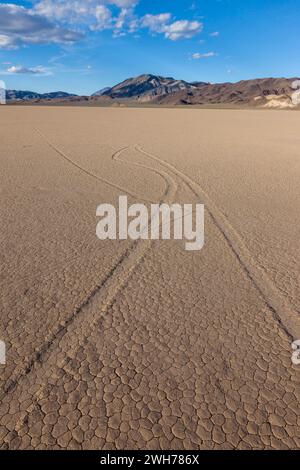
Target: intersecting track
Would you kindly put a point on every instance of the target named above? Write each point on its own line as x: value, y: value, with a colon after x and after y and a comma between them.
x: 283, y: 313
x: 106, y: 291
x: 56, y: 353
x: 94, y: 175
x: 103, y: 294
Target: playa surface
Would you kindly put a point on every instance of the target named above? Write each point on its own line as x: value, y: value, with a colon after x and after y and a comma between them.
x: 123, y: 345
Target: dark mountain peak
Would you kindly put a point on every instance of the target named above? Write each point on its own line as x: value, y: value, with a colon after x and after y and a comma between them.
x: 147, y: 86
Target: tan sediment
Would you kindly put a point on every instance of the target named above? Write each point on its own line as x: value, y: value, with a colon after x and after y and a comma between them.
x: 142, y: 345
x: 103, y: 294
x: 283, y: 312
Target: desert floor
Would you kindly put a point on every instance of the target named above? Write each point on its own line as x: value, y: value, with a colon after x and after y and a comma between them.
x: 123, y: 345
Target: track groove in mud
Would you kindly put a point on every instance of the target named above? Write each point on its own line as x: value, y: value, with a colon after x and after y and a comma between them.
x: 282, y: 312
x: 119, y: 274
x: 104, y: 293
x: 58, y: 334
x: 88, y: 172
x: 176, y: 350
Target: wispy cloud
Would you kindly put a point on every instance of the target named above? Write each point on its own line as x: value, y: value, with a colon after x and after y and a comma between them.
x: 215, y: 34
x: 20, y: 69
x: 206, y: 55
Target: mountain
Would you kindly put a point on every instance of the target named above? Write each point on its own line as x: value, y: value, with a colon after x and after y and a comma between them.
x: 101, y: 92
x: 15, y: 95
x: 281, y: 93
x: 147, y: 87
x: 151, y: 89
x: 268, y: 93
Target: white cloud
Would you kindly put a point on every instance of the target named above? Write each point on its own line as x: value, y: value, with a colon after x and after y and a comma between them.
x: 215, y: 34
x: 70, y: 11
x: 133, y: 25
x: 92, y: 14
x: 86, y: 12
x: 125, y: 16
x: 7, y: 42
x: 20, y: 69
x: 176, y: 30
x: 183, y: 29
x: 198, y: 55
x: 20, y: 25
x: 124, y: 3
x: 53, y: 21
x: 156, y: 23
x: 58, y: 10
x: 103, y: 16
x: 96, y: 15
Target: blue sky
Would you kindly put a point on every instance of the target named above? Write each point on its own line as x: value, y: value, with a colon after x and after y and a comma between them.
x: 82, y: 46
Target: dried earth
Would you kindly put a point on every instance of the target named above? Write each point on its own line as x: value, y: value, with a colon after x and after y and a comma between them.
x: 143, y: 345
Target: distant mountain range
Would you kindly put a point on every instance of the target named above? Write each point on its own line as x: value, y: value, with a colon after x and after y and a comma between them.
x: 150, y: 89
x: 15, y: 95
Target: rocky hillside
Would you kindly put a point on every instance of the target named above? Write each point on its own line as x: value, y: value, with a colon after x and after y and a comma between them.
x: 281, y: 93
x: 148, y: 87
x: 269, y: 92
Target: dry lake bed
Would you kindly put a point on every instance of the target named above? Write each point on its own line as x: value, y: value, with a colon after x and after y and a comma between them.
x: 116, y: 344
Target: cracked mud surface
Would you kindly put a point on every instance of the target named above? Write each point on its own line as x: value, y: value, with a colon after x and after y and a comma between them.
x: 142, y: 345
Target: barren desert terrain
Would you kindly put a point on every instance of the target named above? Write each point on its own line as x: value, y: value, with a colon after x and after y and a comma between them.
x: 143, y: 345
